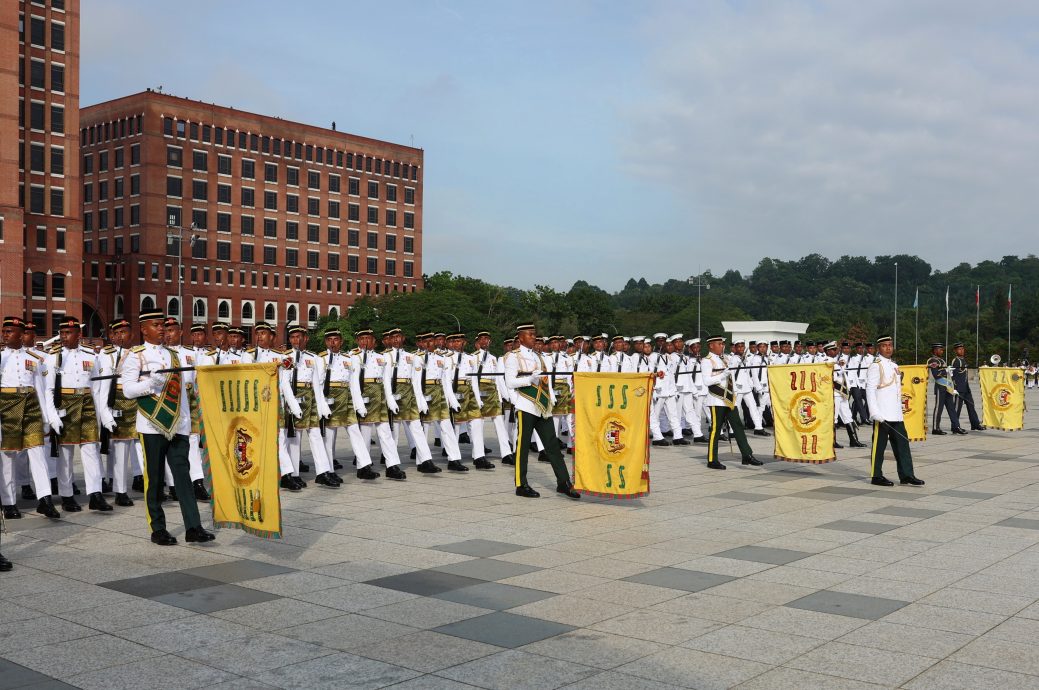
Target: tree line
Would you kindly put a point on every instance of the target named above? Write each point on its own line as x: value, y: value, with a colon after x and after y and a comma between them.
x: 851, y: 298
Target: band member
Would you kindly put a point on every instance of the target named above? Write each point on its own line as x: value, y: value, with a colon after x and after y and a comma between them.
x: 884, y: 398
x: 125, y: 455
x: 942, y: 394
x: 405, y: 383
x: 150, y: 374
x: 189, y: 357
x: 745, y: 385
x: 841, y: 394
x: 721, y: 401
x: 534, y: 399
x: 964, y: 396
x: 467, y: 390
x: 305, y: 400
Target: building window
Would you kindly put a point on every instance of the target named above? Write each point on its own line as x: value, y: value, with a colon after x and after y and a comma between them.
x: 198, y: 309
x: 270, y: 201
x: 102, y: 190
x: 247, y: 253
x: 248, y: 224
x: 333, y: 236
x: 120, y: 157
x: 223, y: 222
x: 409, y: 220
x: 313, y: 259
x: 353, y: 238
x: 135, y: 185
x: 223, y: 309
x: 135, y: 243
x: 292, y: 257
x: 373, y: 215
x: 391, y: 267
x: 354, y: 186
x: 102, y: 219
x: 373, y: 240
x: 248, y: 169
x: 119, y: 217
x: 391, y: 218
x: 37, y: 111
x: 353, y: 212
x: 313, y: 232
x: 135, y: 154
x: 391, y: 243
x: 333, y: 262
x: 223, y: 193
x: 199, y: 190
x: 373, y: 189
x: 37, y: 154
x: 313, y: 179
x: 174, y: 156
x: 270, y: 227
x: 39, y: 284
x: 57, y: 161
x: 269, y: 312
x: 223, y: 251
x: 223, y: 164
x: 270, y: 172
x: 292, y: 230
x: 37, y: 72
x: 334, y: 183
x: 57, y: 201
x: 333, y: 209
x: 409, y: 269
x: 248, y: 197
x: 292, y: 177
x: 352, y: 263
x: 41, y: 238
x: 372, y: 265
x: 313, y: 206
x: 88, y: 164
x: 409, y: 195
x: 391, y: 192
x: 199, y: 161
x: 174, y: 187
x: 199, y: 248
x: 292, y: 203
x: 270, y: 256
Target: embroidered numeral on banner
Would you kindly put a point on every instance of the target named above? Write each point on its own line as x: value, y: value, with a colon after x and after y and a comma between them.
x: 612, y: 402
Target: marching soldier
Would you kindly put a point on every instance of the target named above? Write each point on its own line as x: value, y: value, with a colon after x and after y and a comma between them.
x: 763, y: 399
x: 745, y: 385
x: 236, y: 347
x: 534, y: 400
x: 305, y: 401
x: 964, y: 396
x: 693, y: 400
x: 884, y: 399
x: 467, y: 389
x: 439, y: 401
x: 721, y: 400
x: 266, y: 352
x: 22, y: 409
x: 406, y: 388
x: 562, y: 411
x: 125, y: 455
x: 71, y: 395
x: 493, y: 393
x: 342, y: 390
x: 189, y: 357
x: 841, y: 394
x: 597, y: 360
x: 868, y: 357
x: 164, y: 425
x: 942, y: 393
x: 665, y: 393
x: 373, y: 376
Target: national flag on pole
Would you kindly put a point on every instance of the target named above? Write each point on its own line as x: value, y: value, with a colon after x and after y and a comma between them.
x: 916, y: 299
x: 946, y: 298
x: 977, y: 296
x: 1009, y: 290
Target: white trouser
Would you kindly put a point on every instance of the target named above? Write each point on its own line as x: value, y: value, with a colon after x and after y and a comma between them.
x: 502, y: 432
x: 194, y: 459
x: 357, y: 443
x: 475, y: 436
x: 665, y: 405
x: 755, y: 413
x: 841, y: 409
x: 766, y: 400
x: 692, y: 412
x: 285, y: 465
x: 387, y: 444
x: 448, y: 440
x: 417, y: 440
x: 22, y: 475
x: 90, y: 457
x: 561, y: 422
x: 295, y: 444
x: 37, y: 466
x: 120, y: 463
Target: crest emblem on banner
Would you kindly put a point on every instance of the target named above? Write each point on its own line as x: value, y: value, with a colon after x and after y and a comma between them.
x: 1002, y: 397
x: 907, y: 403
x: 804, y: 413
x: 612, y: 436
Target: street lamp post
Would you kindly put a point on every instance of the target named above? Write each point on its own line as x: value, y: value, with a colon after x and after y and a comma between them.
x: 698, y: 283
x: 176, y: 231
x: 894, y: 335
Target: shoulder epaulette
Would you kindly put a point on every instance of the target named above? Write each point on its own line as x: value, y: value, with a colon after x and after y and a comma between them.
x: 108, y: 349
x: 88, y: 349
x: 355, y: 351
x: 137, y: 348
x: 211, y: 351
x: 322, y: 353
x: 54, y: 349
x: 307, y: 352
x: 35, y: 354
x: 251, y: 350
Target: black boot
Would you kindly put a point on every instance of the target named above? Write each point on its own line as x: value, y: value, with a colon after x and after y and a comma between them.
x: 509, y: 459
x: 12, y: 513
x: 367, y: 472
x: 288, y: 484
x: 199, y: 487
x: 46, y: 508
x: 28, y: 493
x: 413, y: 453
x: 427, y: 467
x: 69, y: 505
x: 853, y: 437
x: 138, y: 483
x: 336, y: 465
x: 395, y: 472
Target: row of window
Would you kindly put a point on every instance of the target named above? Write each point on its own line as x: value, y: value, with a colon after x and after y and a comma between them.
x: 38, y: 197
x: 38, y: 33
x: 38, y: 159
x: 38, y: 75
x: 42, y: 237
x: 103, y: 131
x: 119, y: 154
x: 39, y: 285
x: 118, y: 189
x: 38, y: 117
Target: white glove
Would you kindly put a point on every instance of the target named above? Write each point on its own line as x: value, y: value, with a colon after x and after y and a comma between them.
x: 157, y: 381
x: 324, y: 410
x: 455, y: 406
x: 534, y: 376
x: 392, y: 404
x: 423, y: 408
x: 294, y: 408
x: 56, y: 424
x: 107, y: 420
x: 362, y: 411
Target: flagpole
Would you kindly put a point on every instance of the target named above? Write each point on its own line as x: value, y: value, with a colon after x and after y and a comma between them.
x: 977, y: 327
x: 1010, y: 309
x: 916, y: 327
x: 946, y: 316
x: 894, y: 335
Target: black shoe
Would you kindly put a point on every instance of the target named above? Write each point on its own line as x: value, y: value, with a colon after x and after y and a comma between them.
x: 12, y: 513
x: 198, y: 534
x: 464, y: 438
x: 699, y: 439
x: 761, y: 432
x: 483, y: 464
x: 288, y: 484
x: 662, y: 442
x: 688, y: 433
x: 106, y: 486
x: 414, y: 453
x: 28, y: 493
x: 69, y: 505
x: 457, y: 466
x: 173, y: 493
x: 396, y: 473
x: 54, y: 487
x: 436, y: 442
x: 304, y: 467
x: 138, y: 484
x: 723, y: 436
x: 123, y: 500
x: 486, y: 450
x: 5, y: 565
x: 751, y: 460
x: 978, y: 428
x: 527, y: 492
x: 163, y: 538
x: 443, y: 453
x: 382, y: 460
x: 716, y: 465
x: 680, y: 442
x: 568, y: 491
x: 367, y: 472
x: 667, y: 434
x: 857, y: 444
x: 75, y: 490
x: 937, y: 432
x: 836, y: 445
x: 427, y: 467
x: 881, y: 481
x: 543, y: 457
x: 325, y: 479
x: 199, y: 487
x: 336, y: 465
x: 98, y: 502
x: 299, y: 481
x: 912, y: 481
x: 960, y: 431
x: 509, y: 459
x: 46, y: 508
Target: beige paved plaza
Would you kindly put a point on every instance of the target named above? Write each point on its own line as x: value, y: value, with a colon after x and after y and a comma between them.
x: 788, y: 576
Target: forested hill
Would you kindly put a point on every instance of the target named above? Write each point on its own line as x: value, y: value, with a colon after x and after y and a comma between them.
x: 851, y: 297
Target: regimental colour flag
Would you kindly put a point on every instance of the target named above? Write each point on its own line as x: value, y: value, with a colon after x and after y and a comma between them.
x: 914, y: 400
x: 1003, y: 397
x: 239, y: 437
x: 611, y: 438
x: 802, y: 411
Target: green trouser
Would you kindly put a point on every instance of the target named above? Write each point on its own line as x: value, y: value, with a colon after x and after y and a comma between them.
x: 720, y: 414
x: 527, y: 423
x: 158, y: 450
x: 895, y: 433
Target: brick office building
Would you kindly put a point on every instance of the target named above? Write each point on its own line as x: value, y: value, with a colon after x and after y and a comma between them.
x: 41, y: 245
x: 278, y: 221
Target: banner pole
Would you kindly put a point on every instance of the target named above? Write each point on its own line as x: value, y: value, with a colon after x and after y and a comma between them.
x: 1010, y: 309
x: 977, y: 327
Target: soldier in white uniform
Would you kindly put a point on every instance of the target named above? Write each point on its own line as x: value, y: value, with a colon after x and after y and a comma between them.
x: 596, y: 360
x: 665, y: 394
x: 841, y: 395
x: 266, y: 352
x: 722, y: 402
x: 563, y: 410
x: 745, y: 385
x: 305, y: 401
x: 374, y: 371
x: 22, y: 414
x: 434, y: 372
x: 70, y: 370
x: 342, y: 391
x: 189, y: 357
x: 467, y: 390
x: 125, y: 455
x: 695, y: 403
x: 884, y: 398
x: 406, y: 389
x: 762, y: 361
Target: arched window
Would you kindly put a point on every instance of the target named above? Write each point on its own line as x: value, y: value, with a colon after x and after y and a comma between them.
x: 223, y: 309
x: 39, y: 284
x: 247, y: 311
x: 268, y: 313
x: 333, y: 313
x: 58, y: 285
x: 147, y: 303
x: 173, y: 307
x: 291, y: 315
x: 199, y: 309
x: 118, y: 311
x: 312, y: 315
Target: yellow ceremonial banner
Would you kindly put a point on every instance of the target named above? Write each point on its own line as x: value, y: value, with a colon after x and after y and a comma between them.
x: 1003, y: 395
x: 914, y: 400
x: 611, y: 441
x: 802, y: 411
x: 239, y: 433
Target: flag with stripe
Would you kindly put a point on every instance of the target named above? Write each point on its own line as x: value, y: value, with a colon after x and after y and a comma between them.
x: 1003, y: 397
x: 802, y: 411
x: 914, y: 400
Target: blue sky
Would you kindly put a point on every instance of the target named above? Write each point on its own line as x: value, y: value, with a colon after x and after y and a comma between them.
x: 602, y: 140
